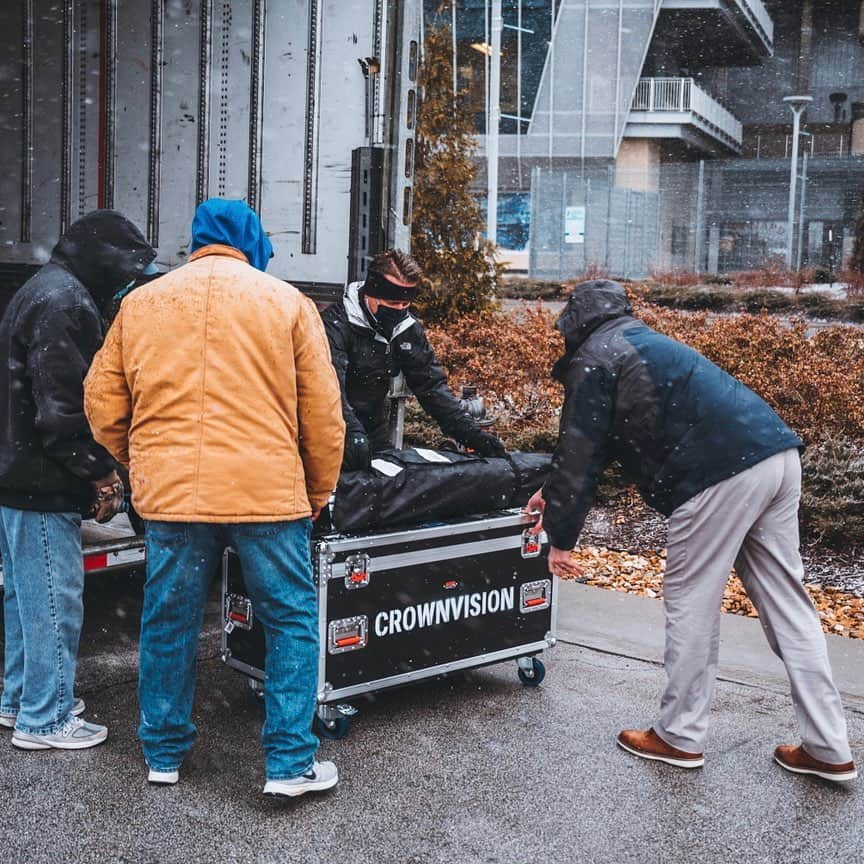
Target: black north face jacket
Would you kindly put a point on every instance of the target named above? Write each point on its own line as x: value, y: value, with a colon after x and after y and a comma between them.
x: 48, y: 335
x: 365, y: 362
x: 676, y: 422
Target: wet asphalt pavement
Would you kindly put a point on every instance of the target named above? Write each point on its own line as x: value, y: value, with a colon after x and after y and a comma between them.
x: 475, y: 768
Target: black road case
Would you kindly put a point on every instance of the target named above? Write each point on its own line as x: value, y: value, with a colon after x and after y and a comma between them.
x: 402, y: 606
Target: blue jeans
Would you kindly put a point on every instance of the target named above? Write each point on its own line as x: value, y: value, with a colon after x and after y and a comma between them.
x: 182, y: 559
x: 43, y: 607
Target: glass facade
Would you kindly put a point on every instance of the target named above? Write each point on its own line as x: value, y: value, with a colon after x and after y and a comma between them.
x: 525, y: 40
x: 665, y: 122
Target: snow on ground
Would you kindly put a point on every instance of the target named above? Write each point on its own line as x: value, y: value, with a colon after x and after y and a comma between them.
x: 837, y: 290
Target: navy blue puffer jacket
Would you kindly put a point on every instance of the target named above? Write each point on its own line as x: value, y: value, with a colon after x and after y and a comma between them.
x: 676, y: 422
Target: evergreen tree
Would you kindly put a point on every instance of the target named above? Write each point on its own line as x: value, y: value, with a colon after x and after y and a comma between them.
x: 459, y: 266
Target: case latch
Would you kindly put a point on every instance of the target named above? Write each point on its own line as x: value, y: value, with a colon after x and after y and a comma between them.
x: 530, y: 544
x: 357, y: 571
x: 238, y: 613
x: 534, y: 596
x: 347, y: 634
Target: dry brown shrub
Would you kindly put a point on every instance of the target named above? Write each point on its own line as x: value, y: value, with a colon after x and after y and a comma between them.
x: 773, y: 274
x: 854, y: 282
x: 460, y: 272
x: 508, y: 355
x: 676, y: 278
x: 845, y: 345
x: 815, y: 384
x: 591, y: 272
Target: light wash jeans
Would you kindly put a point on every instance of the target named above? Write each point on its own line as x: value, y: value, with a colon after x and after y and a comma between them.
x: 43, y: 607
x: 182, y: 559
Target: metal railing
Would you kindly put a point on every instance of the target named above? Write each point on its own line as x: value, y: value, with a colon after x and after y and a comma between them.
x: 753, y: 10
x: 777, y: 145
x: 828, y: 144
x: 684, y: 96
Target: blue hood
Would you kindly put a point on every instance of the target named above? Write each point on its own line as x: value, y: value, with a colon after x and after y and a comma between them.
x: 231, y: 223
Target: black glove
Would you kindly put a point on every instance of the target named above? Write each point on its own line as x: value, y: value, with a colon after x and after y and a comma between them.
x: 485, y: 444
x: 358, y: 456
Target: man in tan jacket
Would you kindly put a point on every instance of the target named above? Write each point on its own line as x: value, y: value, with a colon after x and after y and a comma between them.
x: 215, y: 387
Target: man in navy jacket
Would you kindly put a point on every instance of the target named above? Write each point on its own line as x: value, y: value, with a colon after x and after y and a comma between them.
x: 711, y: 455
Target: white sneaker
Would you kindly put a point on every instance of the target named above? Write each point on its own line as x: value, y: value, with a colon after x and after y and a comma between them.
x: 8, y: 720
x: 76, y: 734
x: 163, y: 778
x: 321, y: 776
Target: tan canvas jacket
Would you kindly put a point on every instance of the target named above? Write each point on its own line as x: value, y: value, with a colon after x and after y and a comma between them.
x: 215, y: 386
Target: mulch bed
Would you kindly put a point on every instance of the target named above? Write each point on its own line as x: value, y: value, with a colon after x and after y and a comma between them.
x: 835, y: 579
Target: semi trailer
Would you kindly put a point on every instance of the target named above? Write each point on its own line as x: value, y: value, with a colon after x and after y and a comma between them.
x: 306, y: 109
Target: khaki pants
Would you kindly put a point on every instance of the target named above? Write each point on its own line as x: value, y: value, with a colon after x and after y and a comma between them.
x: 749, y: 521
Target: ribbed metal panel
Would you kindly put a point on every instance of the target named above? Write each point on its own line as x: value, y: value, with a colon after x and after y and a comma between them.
x: 66, y: 94
x: 27, y: 125
x: 108, y: 142
x: 256, y: 104
x: 157, y: 35
x: 309, y: 241
x: 205, y: 57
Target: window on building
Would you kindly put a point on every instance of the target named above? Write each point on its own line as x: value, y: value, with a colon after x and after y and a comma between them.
x: 524, y: 46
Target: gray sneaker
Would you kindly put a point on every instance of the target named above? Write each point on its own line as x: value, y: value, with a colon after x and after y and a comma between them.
x: 322, y: 775
x: 76, y: 734
x: 7, y: 721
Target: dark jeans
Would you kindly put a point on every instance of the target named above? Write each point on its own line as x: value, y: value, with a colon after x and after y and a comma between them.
x: 182, y: 559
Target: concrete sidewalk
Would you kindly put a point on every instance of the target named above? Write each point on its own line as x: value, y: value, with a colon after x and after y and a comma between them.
x: 472, y: 769
x: 631, y: 626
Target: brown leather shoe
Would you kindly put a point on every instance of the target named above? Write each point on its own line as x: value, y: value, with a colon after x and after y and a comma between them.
x: 799, y: 761
x: 649, y: 745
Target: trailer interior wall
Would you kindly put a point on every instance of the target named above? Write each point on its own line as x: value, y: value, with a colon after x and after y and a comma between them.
x: 152, y: 106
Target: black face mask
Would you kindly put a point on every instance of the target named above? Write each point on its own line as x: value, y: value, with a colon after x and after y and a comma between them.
x: 389, y: 319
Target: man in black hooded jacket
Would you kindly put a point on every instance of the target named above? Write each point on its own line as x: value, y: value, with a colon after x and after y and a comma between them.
x: 711, y: 455
x: 52, y: 472
x: 373, y: 337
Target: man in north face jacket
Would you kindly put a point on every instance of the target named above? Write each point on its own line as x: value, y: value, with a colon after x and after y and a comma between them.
x: 373, y: 337
x: 711, y: 455
x: 52, y: 472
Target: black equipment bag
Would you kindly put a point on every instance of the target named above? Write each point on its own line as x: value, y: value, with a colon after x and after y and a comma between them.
x: 415, y: 486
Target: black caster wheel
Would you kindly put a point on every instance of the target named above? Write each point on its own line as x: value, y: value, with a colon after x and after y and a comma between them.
x: 535, y: 676
x: 335, y: 730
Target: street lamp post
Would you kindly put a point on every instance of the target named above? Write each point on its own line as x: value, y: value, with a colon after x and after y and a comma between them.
x: 492, y: 129
x: 802, y: 203
x: 798, y: 104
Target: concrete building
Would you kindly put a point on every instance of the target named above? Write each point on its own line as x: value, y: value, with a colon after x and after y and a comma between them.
x: 652, y: 134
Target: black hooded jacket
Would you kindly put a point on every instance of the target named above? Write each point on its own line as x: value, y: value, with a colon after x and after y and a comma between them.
x: 676, y: 422
x: 365, y: 361
x: 48, y: 335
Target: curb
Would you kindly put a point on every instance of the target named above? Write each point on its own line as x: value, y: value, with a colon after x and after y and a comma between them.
x: 633, y: 626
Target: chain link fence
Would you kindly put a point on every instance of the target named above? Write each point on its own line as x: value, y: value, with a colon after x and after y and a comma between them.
x: 710, y: 216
